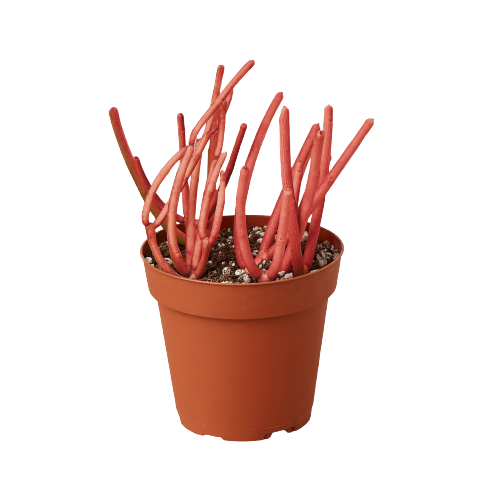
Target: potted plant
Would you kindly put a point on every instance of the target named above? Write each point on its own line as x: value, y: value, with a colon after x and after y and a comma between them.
x: 242, y: 298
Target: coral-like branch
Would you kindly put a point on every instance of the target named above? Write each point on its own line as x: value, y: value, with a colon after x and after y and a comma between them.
x: 175, y: 253
x: 342, y: 162
x: 286, y: 175
x: 241, y: 245
x: 329, y: 181
x: 153, y: 244
x: 191, y: 219
x: 221, y: 198
x: 211, y: 110
x: 207, y: 195
x: 317, y: 215
x: 281, y: 239
x: 181, y: 132
x: 215, y: 118
x: 272, y: 224
x: 137, y: 172
x: 154, y: 188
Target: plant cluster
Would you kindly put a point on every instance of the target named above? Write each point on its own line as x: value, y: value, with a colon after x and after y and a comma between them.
x: 281, y: 243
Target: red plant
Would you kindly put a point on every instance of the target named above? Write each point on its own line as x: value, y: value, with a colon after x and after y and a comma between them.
x: 289, y: 218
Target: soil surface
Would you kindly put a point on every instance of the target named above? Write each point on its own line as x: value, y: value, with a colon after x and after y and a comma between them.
x: 222, y: 266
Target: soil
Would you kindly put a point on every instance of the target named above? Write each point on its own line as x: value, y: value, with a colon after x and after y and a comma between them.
x: 222, y: 266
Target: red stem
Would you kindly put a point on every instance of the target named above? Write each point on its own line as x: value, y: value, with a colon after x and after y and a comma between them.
x: 181, y: 131
x: 313, y: 177
x: 191, y: 219
x: 294, y: 239
x: 175, y: 253
x: 330, y: 179
x: 241, y: 245
x: 272, y: 224
x: 153, y: 244
x: 211, y: 110
x: 317, y: 215
x: 207, y: 195
x: 202, y: 266
x: 235, y: 151
x: 197, y: 253
x: 156, y: 184
x: 341, y: 163
x: 219, y: 210
x: 135, y: 169
x: 285, y: 215
x: 312, y: 238
x: 215, y: 118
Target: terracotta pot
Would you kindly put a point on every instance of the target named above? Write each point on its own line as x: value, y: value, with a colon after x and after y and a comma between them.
x: 244, y: 357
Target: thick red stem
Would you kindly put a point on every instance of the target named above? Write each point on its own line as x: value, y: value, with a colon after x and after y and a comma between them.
x: 153, y: 244
x: 313, y: 177
x: 285, y: 215
x: 175, y: 253
x: 181, y: 131
x: 215, y: 118
x: 315, y: 225
x: 341, y: 163
x: 197, y: 253
x: 191, y: 219
x: 154, y: 187
x: 211, y: 110
x: 312, y: 238
x: 272, y: 224
x: 135, y: 169
x: 202, y: 265
x: 332, y: 176
x: 207, y: 195
x: 235, y: 151
x: 221, y: 197
x: 242, y: 248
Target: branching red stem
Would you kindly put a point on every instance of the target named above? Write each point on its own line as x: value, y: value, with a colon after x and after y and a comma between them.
x: 211, y: 110
x: 272, y: 224
x: 175, y: 253
x: 241, y: 244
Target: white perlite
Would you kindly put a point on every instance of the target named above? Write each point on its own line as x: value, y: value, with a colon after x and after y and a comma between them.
x: 231, y: 264
x: 209, y: 262
x: 304, y: 237
x: 281, y: 274
x: 264, y: 262
x: 288, y: 276
x: 223, y: 263
x: 259, y: 241
x: 246, y: 278
x: 325, y: 255
x: 321, y: 262
x: 169, y: 261
x: 226, y: 270
x: 238, y: 272
x: 149, y: 260
x: 261, y: 233
x: 229, y: 229
x: 229, y: 237
x: 255, y: 253
x: 225, y: 282
x: 256, y: 228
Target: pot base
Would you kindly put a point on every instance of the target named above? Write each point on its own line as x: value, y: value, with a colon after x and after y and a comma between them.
x: 243, y: 435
